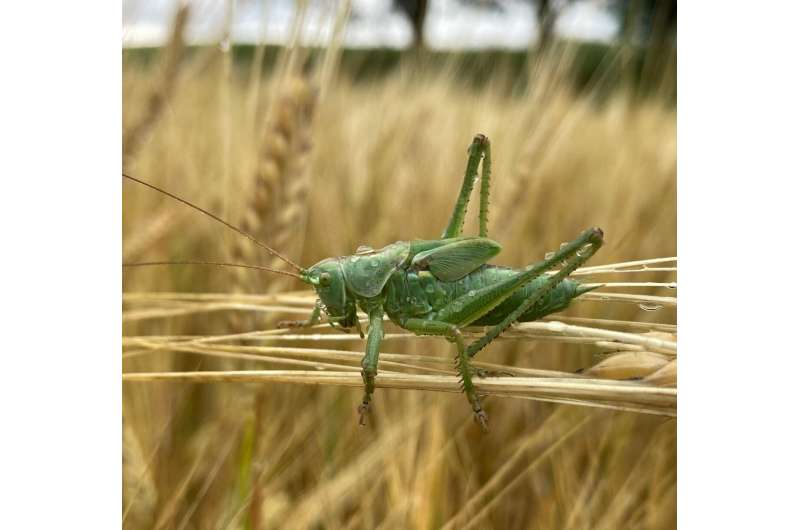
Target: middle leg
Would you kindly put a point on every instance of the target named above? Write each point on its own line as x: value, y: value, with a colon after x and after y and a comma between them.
x: 453, y: 334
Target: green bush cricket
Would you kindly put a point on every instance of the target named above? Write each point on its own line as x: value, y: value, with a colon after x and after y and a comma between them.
x: 435, y: 287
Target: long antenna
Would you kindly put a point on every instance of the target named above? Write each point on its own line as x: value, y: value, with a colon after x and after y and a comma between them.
x: 211, y: 215
x: 213, y: 263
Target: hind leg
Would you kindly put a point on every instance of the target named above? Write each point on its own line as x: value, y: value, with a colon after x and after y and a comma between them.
x: 479, y: 149
x: 477, y: 303
x: 573, y: 255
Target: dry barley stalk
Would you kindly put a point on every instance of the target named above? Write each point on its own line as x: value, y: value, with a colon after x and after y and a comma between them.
x: 167, y: 309
x: 256, y: 71
x: 551, y: 330
x: 333, y: 52
x: 536, y: 447
x: 578, y: 390
x: 625, y: 365
x: 667, y: 375
x: 138, y: 484
x: 133, y: 138
x: 149, y: 236
x: 630, y: 365
x: 225, y: 116
x: 280, y: 183
x: 278, y: 208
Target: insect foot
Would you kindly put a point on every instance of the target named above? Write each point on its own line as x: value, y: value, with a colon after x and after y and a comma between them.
x: 368, y: 375
x: 283, y: 324
x: 481, y: 139
x: 597, y: 235
x: 363, y: 410
x: 483, y: 373
x: 482, y: 419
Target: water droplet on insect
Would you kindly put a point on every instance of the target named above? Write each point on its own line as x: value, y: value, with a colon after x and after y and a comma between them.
x: 650, y: 307
x: 408, y: 298
x: 413, y: 300
x: 549, y: 255
x: 471, y: 293
x: 364, y: 249
x: 374, y: 262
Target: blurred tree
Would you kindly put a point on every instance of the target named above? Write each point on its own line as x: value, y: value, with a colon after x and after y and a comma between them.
x: 661, y: 21
x: 492, y: 5
x: 646, y: 21
x: 652, y: 26
x: 547, y: 12
x: 415, y: 10
x: 547, y: 22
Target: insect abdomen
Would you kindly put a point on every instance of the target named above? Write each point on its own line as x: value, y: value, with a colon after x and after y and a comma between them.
x: 555, y: 300
x: 412, y: 294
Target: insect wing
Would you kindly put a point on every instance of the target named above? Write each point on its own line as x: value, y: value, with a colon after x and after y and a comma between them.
x: 453, y: 261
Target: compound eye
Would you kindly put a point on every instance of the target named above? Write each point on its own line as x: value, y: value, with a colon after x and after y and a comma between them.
x: 324, y: 279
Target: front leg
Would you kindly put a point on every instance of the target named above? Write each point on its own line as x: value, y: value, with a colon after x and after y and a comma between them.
x: 312, y: 320
x: 369, y: 364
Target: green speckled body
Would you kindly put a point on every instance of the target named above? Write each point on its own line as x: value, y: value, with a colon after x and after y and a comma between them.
x: 418, y: 294
x: 396, y: 278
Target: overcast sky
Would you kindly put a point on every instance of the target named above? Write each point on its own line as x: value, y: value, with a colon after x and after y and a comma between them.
x: 373, y: 23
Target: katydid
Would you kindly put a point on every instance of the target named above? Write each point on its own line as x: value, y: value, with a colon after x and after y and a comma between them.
x: 439, y: 286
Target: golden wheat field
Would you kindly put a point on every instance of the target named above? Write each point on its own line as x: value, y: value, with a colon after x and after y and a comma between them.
x: 582, y: 425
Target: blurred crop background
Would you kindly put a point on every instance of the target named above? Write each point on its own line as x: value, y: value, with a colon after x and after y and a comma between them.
x: 322, y: 126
